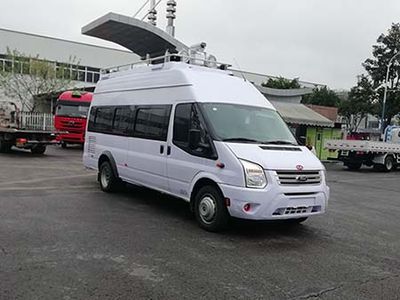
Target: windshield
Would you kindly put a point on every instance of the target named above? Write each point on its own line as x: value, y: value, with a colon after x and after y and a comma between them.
x: 241, y: 123
x: 77, y: 110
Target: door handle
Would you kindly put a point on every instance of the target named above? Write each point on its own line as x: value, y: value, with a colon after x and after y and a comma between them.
x: 161, y: 149
x: 168, y: 150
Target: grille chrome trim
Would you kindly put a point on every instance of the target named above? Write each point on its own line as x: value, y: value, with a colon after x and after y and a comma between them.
x: 299, y: 177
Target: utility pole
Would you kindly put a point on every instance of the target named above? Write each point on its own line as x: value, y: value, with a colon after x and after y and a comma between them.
x: 385, y: 92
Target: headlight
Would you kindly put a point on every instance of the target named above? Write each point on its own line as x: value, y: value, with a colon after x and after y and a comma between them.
x: 254, y: 175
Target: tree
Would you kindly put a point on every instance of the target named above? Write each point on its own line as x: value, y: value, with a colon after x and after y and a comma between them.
x: 387, y: 46
x: 361, y: 102
x: 322, y: 96
x: 282, y: 83
x: 29, y: 78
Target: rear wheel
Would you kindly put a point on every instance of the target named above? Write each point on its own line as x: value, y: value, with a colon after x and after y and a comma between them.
x: 210, y: 210
x: 107, y: 179
x: 5, y: 146
x: 38, y: 149
x: 353, y: 166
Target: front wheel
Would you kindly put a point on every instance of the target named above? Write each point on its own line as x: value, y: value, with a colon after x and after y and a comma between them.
x: 388, y: 164
x: 210, y: 210
x: 38, y: 149
x: 107, y: 179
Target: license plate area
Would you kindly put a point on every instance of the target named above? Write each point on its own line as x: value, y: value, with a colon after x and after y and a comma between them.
x: 345, y: 153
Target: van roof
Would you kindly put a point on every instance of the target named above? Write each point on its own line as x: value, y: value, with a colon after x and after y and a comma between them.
x: 190, y: 82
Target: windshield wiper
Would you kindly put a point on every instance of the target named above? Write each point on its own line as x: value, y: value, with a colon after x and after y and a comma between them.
x: 280, y: 142
x: 240, y: 139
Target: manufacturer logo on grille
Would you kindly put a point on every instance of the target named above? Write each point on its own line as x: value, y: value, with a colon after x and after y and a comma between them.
x: 299, y: 167
x: 71, y: 123
x: 301, y: 178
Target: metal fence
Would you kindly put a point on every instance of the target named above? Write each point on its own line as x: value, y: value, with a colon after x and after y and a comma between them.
x: 36, y: 121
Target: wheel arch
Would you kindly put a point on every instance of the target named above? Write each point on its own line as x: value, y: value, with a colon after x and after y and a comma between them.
x: 107, y: 156
x: 198, y: 183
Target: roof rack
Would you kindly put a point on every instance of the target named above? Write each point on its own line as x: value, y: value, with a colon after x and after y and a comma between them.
x: 194, y: 58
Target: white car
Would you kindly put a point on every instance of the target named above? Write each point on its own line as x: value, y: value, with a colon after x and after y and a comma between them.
x: 205, y: 136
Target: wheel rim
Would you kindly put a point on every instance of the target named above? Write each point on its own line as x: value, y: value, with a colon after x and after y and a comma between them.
x: 207, y: 209
x: 389, y: 164
x: 105, y: 176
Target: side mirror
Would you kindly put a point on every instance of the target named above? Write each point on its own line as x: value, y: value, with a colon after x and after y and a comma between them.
x: 194, y: 138
x: 302, y: 140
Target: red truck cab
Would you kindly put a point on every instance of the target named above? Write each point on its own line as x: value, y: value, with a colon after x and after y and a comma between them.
x: 70, y: 116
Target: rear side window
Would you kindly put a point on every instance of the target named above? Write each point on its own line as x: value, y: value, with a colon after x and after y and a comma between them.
x: 123, y: 120
x: 152, y: 122
x: 104, y: 119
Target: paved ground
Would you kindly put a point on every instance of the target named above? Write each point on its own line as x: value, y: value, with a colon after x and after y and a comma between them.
x: 61, y: 238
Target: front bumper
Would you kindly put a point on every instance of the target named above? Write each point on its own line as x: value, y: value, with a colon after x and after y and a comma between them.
x: 277, y: 202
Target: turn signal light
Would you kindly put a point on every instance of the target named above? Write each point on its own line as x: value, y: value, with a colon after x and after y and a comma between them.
x: 246, y: 207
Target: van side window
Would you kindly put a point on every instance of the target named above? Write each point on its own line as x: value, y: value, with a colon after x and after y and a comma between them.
x: 104, y: 119
x: 123, y: 119
x: 186, y: 118
x: 152, y: 122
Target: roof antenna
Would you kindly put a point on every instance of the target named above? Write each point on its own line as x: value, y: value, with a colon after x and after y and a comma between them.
x: 152, y: 14
x: 240, y: 69
x: 171, y: 10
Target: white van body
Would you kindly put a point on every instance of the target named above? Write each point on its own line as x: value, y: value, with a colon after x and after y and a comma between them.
x: 295, y: 186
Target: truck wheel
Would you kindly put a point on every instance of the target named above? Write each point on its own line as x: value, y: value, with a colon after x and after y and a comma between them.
x: 5, y: 147
x: 38, y: 149
x: 64, y: 145
x: 353, y: 166
x: 107, y: 179
x: 388, y: 165
x: 210, y: 210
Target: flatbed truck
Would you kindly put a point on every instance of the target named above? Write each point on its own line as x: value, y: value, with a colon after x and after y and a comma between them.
x: 383, y: 156
x: 25, y: 130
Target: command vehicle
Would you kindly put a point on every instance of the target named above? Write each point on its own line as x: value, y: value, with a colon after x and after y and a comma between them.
x: 203, y: 135
x: 70, y: 116
x: 25, y: 130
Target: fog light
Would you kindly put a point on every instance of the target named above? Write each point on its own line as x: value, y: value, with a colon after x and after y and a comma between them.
x: 246, y: 207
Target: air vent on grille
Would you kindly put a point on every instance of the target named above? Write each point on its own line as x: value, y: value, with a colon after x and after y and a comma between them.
x: 298, y: 177
x: 280, y: 148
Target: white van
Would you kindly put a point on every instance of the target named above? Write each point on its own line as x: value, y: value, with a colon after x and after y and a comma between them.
x: 205, y: 136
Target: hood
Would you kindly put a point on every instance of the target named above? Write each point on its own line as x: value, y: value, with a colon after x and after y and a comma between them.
x: 277, y: 157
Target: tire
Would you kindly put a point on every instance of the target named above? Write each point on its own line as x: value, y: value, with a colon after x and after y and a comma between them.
x: 353, y: 166
x: 388, y: 164
x: 108, y: 181
x: 296, y: 221
x: 38, y: 149
x: 64, y: 145
x: 210, y: 210
x: 5, y: 147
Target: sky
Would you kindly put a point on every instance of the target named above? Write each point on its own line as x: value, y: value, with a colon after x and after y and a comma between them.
x: 321, y: 41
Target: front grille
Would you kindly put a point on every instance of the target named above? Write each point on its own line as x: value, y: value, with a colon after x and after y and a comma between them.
x: 72, y: 125
x: 298, y: 177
